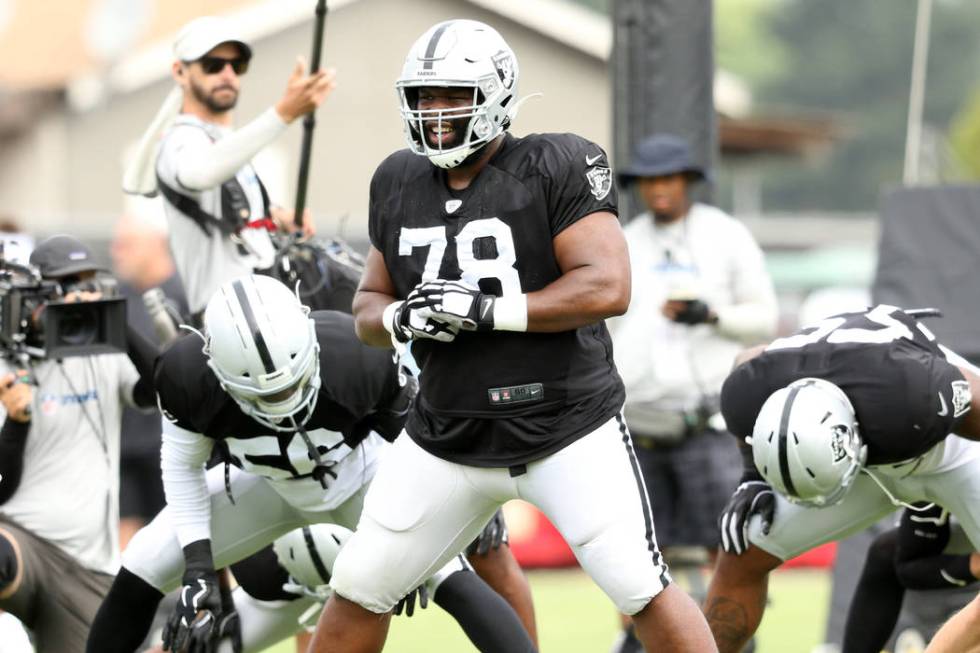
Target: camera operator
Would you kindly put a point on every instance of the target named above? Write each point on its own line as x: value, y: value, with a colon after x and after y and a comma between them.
x: 59, y: 464
x: 218, y: 211
x: 700, y: 294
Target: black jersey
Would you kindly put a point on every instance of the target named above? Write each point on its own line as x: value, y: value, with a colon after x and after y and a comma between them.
x: 359, y: 392
x: 499, y: 398
x: 906, y: 395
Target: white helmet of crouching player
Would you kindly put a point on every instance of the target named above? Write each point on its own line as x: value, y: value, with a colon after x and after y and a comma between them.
x: 261, y: 344
x: 459, y: 54
x: 806, y: 442
x: 307, y: 554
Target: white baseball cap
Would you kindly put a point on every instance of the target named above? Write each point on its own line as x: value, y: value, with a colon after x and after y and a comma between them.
x: 203, y: 34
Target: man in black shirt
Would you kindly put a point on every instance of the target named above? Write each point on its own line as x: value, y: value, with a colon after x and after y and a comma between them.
x: 498, y: 258
x: 847, y: 420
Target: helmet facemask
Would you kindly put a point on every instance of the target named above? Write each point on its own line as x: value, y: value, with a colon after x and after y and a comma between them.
x: 479, y: 127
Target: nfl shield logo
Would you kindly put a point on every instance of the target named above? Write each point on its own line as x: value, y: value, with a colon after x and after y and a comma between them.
x: 505, y: 68
x: 600, y: 181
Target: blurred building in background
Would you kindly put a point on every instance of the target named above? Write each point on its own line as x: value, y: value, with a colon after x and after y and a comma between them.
x: 80, y: 79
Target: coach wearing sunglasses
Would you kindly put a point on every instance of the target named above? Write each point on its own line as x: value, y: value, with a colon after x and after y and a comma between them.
x: 218, y: 211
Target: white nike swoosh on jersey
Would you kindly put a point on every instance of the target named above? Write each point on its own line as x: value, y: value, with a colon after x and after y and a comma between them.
x: 943, y: 409
x: 589, y: 160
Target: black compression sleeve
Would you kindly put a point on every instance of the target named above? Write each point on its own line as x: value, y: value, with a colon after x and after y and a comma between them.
x: 13, y: 439
x: 485, y: 617
x: 125, y: 616
x: 143, y: 353
x: 877, y: 600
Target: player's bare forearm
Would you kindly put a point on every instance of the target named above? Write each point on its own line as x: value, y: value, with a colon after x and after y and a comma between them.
x: 373, y: 295
x: 737, y: 597
x: 368, y: 308
x: 582, y: 296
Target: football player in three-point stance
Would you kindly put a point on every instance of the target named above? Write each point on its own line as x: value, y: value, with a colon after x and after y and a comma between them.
x: 848, y: 419
x: 300, y: 408
x: 498, y: 257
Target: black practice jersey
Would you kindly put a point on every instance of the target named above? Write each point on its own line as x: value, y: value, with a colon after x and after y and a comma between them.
x: 359, y: 392
x: 906, y: 395
x: 499, y: 398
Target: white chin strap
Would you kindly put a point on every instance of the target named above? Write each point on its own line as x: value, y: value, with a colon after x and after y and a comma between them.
x: 895, y: 501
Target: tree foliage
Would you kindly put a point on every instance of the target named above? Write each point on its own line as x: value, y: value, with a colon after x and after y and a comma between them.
x: 853, y: 58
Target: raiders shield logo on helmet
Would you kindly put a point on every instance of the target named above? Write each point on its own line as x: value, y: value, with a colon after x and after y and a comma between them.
x: 504, y: 63
x: 600, y: 181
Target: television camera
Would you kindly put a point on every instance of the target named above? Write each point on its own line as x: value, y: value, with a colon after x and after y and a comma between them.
x: 37, y: 322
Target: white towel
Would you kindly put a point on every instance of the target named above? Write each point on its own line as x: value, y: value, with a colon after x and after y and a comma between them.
x: 140, y: 177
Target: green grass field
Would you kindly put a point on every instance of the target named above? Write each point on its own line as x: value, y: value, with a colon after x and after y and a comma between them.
x: 575, y: 617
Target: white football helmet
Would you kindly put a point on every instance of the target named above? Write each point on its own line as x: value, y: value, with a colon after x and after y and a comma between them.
x: 261, y: 344
x: 308, y: 555
x: 806, y: 443
x: 453, y: 54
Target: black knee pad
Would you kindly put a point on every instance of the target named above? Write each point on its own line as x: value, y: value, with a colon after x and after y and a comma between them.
x: 883, y: 550
x: 8, y: 563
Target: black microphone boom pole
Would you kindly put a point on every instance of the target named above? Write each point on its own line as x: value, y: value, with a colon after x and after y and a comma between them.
x: 309, y: 122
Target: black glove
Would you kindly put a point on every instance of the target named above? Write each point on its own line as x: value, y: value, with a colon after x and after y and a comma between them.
x: 228, y: 625
x: 408, y: 603
x: 750, y: 498
x: 457, y: 302
x: 406, y: 322
x: 491, y: 538
x: 696, y: 312
x: 201, y: 616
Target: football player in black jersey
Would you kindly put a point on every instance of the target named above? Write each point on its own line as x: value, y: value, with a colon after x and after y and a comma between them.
x: 301, y: 409
x: 498, y: 258
x: 847, y: 419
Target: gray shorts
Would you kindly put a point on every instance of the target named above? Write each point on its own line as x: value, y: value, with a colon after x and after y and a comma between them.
x: 53, y: 595
x: 689, y: 484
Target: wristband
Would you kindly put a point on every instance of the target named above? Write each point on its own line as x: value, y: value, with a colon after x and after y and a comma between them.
x: 388, y: 317
x: 197, y: 556
x: 510, y: 313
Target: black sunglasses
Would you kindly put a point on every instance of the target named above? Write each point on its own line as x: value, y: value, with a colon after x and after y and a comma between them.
x: 214, y: 65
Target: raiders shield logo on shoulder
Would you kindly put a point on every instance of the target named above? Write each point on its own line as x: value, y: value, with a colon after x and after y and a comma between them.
x: 962, y: 397
x: 600, y: 181
x: 504, y: 64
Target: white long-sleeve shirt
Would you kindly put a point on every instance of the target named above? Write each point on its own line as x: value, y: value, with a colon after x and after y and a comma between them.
x: 706, y: 255
x: 195, y: 159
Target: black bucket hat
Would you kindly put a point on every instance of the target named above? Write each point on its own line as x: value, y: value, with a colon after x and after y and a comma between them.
x: 61, y: 256
x: 658, y: 155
